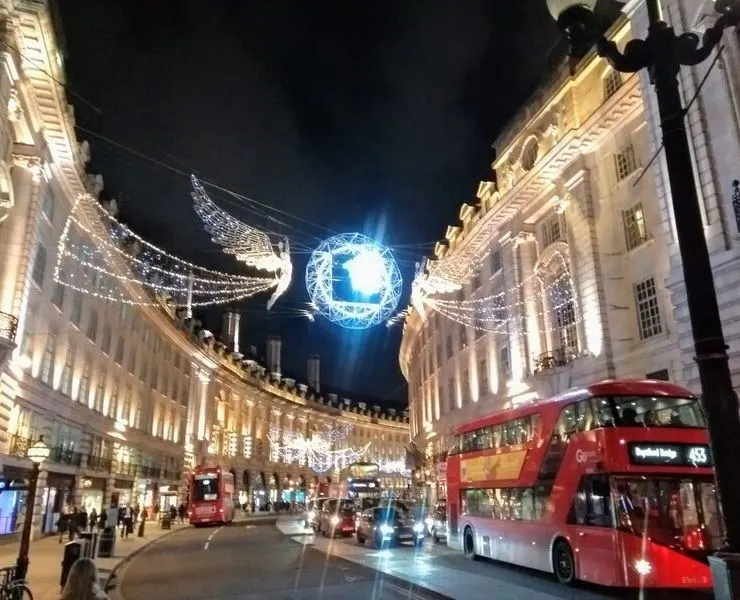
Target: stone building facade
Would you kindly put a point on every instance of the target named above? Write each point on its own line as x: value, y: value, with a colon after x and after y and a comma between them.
x: 127, y: 397
x: 574, y: 190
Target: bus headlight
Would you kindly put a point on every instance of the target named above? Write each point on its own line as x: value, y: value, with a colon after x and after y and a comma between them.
x: 334, y: 520
x: 386, y: 529
x: 643, y: 567
x: 418, y: 527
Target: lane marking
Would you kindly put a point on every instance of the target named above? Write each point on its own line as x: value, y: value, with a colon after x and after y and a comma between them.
x: 249, y: 526
x: 210, y: 537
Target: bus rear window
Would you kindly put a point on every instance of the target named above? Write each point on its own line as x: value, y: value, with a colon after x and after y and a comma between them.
x: 205, y: 490
x: 648, y: 411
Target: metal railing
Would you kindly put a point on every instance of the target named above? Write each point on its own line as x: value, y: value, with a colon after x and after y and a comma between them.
x: 554, y: 359
x: 146, y: 471
x: 126, y: 468
x: 99, y: 463
x: 8, y: 326
x: 65, y: 456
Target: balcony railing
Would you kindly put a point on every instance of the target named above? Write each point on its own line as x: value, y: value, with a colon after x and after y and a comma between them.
x: 126, y: 468
x: 19, y: 445
x: 171, y: 474
x: 65, y: 456
x: 99, y: 463
x: 147, y: 471
x: 8, y: 326
x: 554, y: 359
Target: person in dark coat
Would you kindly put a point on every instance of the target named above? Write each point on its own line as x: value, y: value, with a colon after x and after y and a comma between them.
x: 93, y: 518
x: 102, y: 519
x: 83, y: 519
x: 62, y: 525
x: 73, y: 524
x: 181, y: 512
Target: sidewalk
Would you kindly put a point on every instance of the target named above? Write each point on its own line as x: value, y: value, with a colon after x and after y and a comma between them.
x: 46, y: 559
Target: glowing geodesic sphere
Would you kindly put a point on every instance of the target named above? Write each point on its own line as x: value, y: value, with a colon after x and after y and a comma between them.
x: 353, y: 280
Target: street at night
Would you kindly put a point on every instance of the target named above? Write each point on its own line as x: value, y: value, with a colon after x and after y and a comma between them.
x: 258, y: 561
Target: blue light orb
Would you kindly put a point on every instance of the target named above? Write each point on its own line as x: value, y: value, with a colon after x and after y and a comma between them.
x: 353, y: 281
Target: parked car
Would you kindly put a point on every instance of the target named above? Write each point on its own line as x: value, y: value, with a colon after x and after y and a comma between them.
x: 313, y: 511
x: 438, y: 522
x: 389, y: 525
x: 337, y: 518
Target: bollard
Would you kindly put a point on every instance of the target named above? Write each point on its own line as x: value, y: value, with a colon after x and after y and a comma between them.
x: 141, y: 528
x: 72, y: 551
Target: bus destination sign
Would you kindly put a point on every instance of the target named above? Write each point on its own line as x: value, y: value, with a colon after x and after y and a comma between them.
x: 674, y: 455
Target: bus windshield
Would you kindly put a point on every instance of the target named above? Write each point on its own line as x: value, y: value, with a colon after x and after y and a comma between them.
x: 205, y: 490
x: 677, y: 512
x: 648, y: 411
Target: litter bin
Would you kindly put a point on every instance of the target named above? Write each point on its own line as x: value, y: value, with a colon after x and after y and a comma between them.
x: 107, y: 542
x: 72, y: 551
x: 91, y: 537
x: 166, y: 522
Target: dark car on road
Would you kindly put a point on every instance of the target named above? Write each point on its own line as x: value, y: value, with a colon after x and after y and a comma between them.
x: 337, y: 518
x: 313, y: 512
x: 438, y: 522
x: 389, y: 525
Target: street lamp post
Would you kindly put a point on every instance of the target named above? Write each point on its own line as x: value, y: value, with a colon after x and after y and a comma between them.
x: 37, y: 454
x: 663, y: 53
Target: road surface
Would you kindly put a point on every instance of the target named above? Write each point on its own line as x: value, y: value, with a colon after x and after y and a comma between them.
x: 245, y: 562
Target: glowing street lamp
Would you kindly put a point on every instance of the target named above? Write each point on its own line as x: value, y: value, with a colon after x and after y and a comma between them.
x: 37, y: 454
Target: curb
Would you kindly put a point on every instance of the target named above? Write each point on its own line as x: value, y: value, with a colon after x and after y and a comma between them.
x: 110, y: 587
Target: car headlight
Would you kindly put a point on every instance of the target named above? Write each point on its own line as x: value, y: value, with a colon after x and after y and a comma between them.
x: 311, y: 515
x: 418, y: 527
x: 430, y: 522
x: 386, y: 529
x: 334, y: 520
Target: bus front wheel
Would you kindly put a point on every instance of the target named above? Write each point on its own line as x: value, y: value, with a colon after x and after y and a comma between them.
x: 469, y: 544
x: 564, y: 565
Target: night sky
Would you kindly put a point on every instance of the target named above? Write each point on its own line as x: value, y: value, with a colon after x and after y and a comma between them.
x: 343, y: 116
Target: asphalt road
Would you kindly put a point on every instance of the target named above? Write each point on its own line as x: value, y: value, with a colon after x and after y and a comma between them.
x: 252, y: 561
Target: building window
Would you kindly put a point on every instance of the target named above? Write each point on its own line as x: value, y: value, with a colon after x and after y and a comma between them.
x: 132, y: 362
x: 451, y: 391
x: 39, y: 265
x: 92, y: 325
x: 48, y: 205
x: 143, y: 370
x: 564, y: 318
x: 113, y: 404
x: 648, y: 310
x: 496, y: 264
x: 483, y: 377
x: 463, y: 337
x: 612, y: 82
x: 625, y: 162
x: 466, y: 387
x: 505, y: 362
x: 66, y: 384
x: 137, y: 417
x: 76, y: 315
x: 529, y: 154
x: 85, y: 381
x: 47, y: 362
x: 100, y: 392
x: 57, y: 296
x: 552, y: 230
x: 126, y: 408
x: 105, y: 344
x: 449, y: 346
x: 120, y: 349
x: 635, y: 230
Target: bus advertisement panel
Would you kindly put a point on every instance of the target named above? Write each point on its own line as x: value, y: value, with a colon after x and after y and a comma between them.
x: 211, y: 496
x: 610, y: 484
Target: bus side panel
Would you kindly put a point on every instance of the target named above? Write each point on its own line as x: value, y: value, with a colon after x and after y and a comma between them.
x: 453, y: 501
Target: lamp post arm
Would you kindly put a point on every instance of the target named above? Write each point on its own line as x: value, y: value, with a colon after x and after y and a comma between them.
x: 687, y: 49
x: 636, y: 55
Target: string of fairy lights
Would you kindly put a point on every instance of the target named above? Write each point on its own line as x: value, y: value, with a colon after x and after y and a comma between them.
x: 319, y: 451
x: 119, y: 265
x: 546, y: 297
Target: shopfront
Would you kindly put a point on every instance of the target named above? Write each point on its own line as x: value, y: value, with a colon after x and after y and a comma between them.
x: 145, y: 493
x: 125, y: 491
x: 167, y: 497
x: 92, y: 493
x: 13, y: 491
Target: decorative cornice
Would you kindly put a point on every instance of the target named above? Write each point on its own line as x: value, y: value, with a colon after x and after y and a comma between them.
x: 523, y: 237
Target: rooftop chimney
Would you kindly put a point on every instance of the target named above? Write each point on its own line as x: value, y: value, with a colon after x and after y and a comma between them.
x: 230, y: 330
x: 313, y: 374
x: 274, y: 346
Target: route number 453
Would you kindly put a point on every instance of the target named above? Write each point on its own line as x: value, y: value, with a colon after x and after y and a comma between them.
x: 698, y: 455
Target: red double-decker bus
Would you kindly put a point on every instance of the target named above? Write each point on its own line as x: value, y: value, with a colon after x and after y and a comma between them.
x: 211, y: 497
x: 610, y: 483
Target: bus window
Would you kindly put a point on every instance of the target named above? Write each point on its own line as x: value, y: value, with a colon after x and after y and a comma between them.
x: 567, y: 422
x: 591, y: 504
x: 205, y: 490
x: 602, y: 410
x: 584, y: 416
x: 497, y: 436
x: 648, y: 411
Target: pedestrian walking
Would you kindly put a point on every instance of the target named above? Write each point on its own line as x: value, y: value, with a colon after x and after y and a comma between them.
x: 62, y: 525
x: 181, y: 511
x: 173, y: 513
x: 93, y: 518
x: 128, y: 521
x: 83, y: 582
x: 83, y: 519
x: 73, y: 524
x: 103, y: 519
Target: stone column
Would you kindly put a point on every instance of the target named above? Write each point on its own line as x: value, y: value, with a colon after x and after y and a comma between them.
x: 527, y: 253
x: 516, y: 340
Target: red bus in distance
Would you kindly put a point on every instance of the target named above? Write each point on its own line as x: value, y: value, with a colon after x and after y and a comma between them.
x: 211, y: 498
x: 611, y: 484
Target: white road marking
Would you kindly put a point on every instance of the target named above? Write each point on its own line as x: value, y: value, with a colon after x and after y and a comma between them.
x: 249, y: 526
x: 210, y: 537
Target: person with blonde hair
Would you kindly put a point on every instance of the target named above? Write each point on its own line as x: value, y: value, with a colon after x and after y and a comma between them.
x: 83, y: 582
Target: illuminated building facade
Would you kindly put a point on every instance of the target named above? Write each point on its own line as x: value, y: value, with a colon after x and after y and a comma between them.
x: 127, y: 397
x: 569, y: 183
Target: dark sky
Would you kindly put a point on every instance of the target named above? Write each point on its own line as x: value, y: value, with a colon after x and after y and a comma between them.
x: 354, y: 116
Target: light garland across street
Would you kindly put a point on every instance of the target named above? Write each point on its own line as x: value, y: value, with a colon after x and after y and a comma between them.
x: 119, y: 265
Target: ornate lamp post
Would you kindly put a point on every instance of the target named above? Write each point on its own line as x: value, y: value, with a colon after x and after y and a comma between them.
x: 663, y: 53
x: 37, y: 454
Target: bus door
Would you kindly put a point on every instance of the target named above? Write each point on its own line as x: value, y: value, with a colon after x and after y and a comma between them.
x: 592, y: 524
